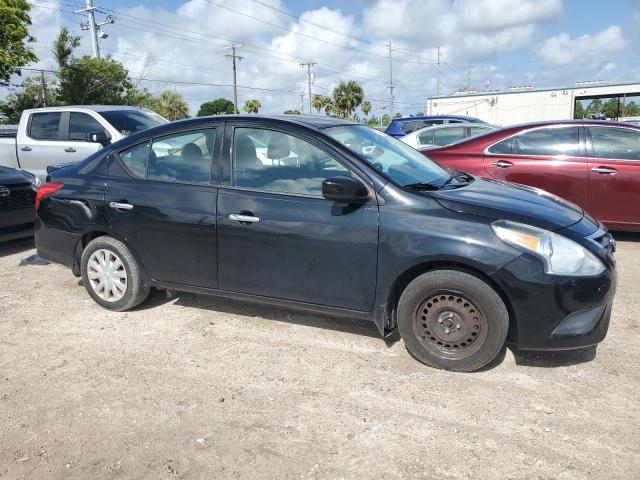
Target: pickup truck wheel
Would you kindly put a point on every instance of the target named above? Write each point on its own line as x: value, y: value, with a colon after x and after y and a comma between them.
x: 112, y: 276
x: 452, y: 320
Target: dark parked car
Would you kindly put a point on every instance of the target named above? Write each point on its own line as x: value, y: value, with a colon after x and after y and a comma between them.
x: 399, y: 127
x: 592, y: 163
x: 17, y: 197
x: 334, y: 217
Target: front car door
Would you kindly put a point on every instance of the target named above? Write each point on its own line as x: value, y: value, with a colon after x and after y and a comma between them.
x: 161, y: 197
x: 614, y: 175
x: 79, y: 124
x: 278, y: 237
x: 550, y: 158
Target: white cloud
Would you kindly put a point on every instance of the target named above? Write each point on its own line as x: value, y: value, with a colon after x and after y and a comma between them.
x: 488, y: 15
x: 584, y: 51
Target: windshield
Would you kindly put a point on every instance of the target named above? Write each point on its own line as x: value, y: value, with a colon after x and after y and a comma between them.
x: 393, y: 158
x: 132, y: 121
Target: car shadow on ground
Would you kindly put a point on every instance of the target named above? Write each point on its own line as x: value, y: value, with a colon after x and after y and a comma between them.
x: 626, y: 236
x: 12, y: 247
x: 554, y: 359
x: 248, y: 309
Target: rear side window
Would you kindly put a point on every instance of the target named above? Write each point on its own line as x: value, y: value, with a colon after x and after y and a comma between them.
x: 183, y: 158
x: 477, y: 130
x: 425, y: 138
x: 45, y: 126
x: 544, y: 141
x: 426, y: 123
x: 445, y: 136
x: 408, y: 127
x: 80, y: 124
x: 620, y: 143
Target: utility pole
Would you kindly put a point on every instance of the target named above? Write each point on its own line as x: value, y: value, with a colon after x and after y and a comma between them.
x: 309, y: 65
x: 438, y: 74
x: 390, y: 83
x: 94, y: 26
x: 233, y: 57
x: 468, y: 79
x: 302, y: 103
x: 44, y: 88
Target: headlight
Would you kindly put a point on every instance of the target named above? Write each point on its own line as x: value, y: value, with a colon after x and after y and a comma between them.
x: 36, y: 182
x: 561, y: 256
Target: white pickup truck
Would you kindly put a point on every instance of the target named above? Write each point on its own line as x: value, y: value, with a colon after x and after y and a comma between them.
x: 50, y: 136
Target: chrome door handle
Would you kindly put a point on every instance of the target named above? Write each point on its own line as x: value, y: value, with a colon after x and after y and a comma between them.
x: 243, y: 218
x: 502, y: 164
x: 25, y: 149
x: 604, y: 170
x: 69, y: 149
x: 120, y: 206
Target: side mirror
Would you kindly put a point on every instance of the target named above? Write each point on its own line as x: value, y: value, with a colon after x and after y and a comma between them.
x: 345, y: 189
x: 98, y: 137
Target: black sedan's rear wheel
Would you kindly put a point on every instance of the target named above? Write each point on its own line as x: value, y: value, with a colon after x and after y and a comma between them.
x: 452, y: 320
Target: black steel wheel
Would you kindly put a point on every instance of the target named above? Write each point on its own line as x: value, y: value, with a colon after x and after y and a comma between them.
x: 452, y: 320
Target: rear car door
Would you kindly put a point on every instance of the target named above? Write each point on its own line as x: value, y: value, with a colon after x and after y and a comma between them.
x: 278, y: 237
x: 161, y: 195
x: 614, y: 175
x: 550, y: 158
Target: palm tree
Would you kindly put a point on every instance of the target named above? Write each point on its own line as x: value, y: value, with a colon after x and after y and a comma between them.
x: 347, y: 97
x: 328, y: 106
x: 171, y: 105
x: 318, y: 102
x: 252, y: 106
x: 366, y: 108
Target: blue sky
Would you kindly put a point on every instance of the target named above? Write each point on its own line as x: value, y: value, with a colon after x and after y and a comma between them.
x: 485, y: 44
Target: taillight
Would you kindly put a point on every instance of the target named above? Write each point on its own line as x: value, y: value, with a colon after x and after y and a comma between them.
x: 46, y: 190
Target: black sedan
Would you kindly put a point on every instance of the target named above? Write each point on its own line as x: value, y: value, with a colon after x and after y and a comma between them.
x: 17, y: 198
x: 331, y: 216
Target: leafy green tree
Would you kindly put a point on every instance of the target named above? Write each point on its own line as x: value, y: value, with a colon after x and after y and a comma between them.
x: 220, y: 106
x: 328, y: 106
x: 252, y: 106
x: 292, y: 112
x: 579, y: 111
x: 171, y: 105
x: 385, y: 119
x: 612, y: 108
x: 398, y: 115
x: 595, y: 107
x: 318, y: 102
x: 347, y: 96
x: 88, y: 80
x: 632, y: 109
x: 32, y: 95
x: 366, y: 108
x: 419, y: 114
x: 14, y: 38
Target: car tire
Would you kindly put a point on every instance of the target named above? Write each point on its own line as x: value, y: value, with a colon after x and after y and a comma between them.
x: 452, y: 320
x: 112, y: 275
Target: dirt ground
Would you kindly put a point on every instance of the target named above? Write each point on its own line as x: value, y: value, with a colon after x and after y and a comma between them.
x: 197, y: 387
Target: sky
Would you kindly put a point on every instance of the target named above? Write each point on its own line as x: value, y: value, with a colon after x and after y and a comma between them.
x: 484, y: 44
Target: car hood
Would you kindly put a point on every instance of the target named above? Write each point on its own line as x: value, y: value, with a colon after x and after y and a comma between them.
x: 510, y: 201
x: 11, y: 176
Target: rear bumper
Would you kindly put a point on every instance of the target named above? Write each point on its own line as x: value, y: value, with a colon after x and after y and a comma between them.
x: 55, y: 245
x: 552, y: 312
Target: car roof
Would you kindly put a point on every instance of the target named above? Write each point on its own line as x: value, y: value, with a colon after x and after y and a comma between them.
x: 551, y: 123
x: 311, y: 121
x: 445, y: 126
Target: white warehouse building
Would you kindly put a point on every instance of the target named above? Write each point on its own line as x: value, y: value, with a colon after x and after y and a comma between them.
x: 527, y: 104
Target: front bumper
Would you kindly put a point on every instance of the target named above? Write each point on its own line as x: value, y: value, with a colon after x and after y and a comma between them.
x: 552, y: 312
x: 16, y: 223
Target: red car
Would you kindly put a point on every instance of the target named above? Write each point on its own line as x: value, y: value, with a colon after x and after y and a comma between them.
x: 595, y: 164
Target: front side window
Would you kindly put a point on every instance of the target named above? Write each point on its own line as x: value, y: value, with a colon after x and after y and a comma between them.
x: 45, y: 126
x: 615, y: 143
x: 390, y: 156
x: 131, y: 121
x: 81, y: 124
x: 184, y: 158
x: 278, y: 162
x: 445, y: 136
x: 543, y: 142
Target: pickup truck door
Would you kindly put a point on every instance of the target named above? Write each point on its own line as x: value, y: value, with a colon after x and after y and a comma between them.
x: 44, y: 139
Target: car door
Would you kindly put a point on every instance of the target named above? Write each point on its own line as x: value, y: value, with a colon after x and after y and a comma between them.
x: 614, y: 175
x: 278, y: 237
x: 161, y: 196
x: 40, y: 142
x: 79, y: 124
x: 550, y: 158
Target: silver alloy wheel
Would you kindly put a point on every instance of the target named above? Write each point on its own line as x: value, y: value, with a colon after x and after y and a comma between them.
x: 107, y: 275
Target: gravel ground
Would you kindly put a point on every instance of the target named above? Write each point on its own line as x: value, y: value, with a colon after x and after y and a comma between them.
x: 197, y: 387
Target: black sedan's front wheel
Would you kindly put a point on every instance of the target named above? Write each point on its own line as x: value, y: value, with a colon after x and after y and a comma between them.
x: 452, y: 320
